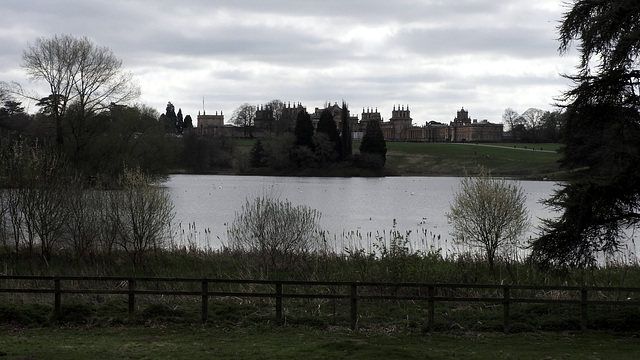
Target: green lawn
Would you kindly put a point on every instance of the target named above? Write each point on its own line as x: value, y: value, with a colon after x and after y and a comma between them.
x: 267, y: 342
x: 536, y: 161
x: 520, y: 160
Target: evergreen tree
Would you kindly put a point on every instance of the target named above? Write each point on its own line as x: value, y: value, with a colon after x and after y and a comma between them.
x: 258, y: 155
x: 373, y: 145
x: 601, y: 198
x: 304, y: 130
x: 179, y: 122
x: 327, y: 126
x: 346, y: 145
x: 188, y: 122
x: 170, y: 118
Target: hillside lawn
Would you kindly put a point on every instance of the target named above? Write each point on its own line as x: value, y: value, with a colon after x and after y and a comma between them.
x: 528, y: 161
x: 290, y: 342
x: 519, y: 160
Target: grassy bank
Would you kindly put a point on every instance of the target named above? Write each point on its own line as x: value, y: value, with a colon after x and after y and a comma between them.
x: 241, y: 313
x: 205, y: 342
x: 445, y: 159
x: 525, y: 161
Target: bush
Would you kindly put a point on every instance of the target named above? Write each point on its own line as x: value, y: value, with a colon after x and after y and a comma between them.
x: 75, y: 313
x: 280, y: 234
x: 488, y: 213
x: 25, y: 314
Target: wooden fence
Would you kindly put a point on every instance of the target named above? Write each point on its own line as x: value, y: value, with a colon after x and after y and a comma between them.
x: 354, y: 292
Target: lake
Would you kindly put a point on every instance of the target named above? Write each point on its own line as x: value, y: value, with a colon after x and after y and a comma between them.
x: 354, y: 210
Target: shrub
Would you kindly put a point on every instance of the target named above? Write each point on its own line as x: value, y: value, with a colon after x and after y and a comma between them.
x: 280, y: 234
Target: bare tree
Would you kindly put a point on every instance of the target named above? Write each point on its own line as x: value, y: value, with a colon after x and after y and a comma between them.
x: 78, y: 72
x: 84, y: 226
x: 4, y: 219
x: 532, y: 120
x: 244, y: 116
x: 141, y: 213
x: 277, y: 107
x: 278, y: 232
x: 488, y: 213
x: 510, y: 118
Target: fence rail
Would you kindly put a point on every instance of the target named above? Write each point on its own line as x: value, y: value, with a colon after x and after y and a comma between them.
x: 504, y: 295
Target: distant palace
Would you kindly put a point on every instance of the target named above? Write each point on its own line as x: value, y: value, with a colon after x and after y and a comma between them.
x: 268, y: 123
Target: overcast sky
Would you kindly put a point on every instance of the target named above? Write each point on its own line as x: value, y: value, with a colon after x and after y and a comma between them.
x: 434, y: 56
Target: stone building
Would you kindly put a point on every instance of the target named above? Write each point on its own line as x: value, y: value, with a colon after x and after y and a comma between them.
x: 210, y: 125
x: 399, y: 127
x: 464, y: 129
x: 336, y: 111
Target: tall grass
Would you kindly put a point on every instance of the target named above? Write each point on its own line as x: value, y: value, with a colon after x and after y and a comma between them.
x: 387, y: 257
x: 392, y: 256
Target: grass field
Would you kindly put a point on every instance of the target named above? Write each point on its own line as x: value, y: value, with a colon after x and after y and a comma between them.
x: 525, y: 161
x: 269, y: 342
x: 535, y: 161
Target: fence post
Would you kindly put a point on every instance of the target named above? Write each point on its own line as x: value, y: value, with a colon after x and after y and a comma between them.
x: 505, y: 304
x: 57, y: 296
x: 583, y: 308
x: 354, y: 307
x: 132, y: 300
x: 205, y: 301
x: 431, y: 308
x: 279, y: 303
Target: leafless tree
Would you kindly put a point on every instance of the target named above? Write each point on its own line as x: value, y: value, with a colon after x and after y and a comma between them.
x: 280, y: 123
x: 244, y: 115
x: 276, y: 106
x: 278, y: 232
x: 85, y: 227
x: 44, y: 199
x: 142, y: 213
x: 78, y: 72
x: 510, y: 118
x: 532, y: 120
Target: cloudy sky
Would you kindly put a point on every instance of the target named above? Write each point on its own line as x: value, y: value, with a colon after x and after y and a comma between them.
x: 434, y: 56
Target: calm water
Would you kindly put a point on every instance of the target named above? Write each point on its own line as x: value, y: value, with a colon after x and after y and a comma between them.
x: 351, y: 208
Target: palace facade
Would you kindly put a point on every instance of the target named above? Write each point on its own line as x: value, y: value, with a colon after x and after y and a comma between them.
x: 400, y: 127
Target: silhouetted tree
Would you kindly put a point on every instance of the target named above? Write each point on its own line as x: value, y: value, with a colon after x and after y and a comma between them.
x: 551, y: 126
x: 244, y: 116
x: 327, y: 125
x: 280, y: 124
x: 188, y: 122
x: 170, y: 118
x: 304, y: 130
x: 13, y: 118
x: 532, y: 121
x: 601, y: 197
x: 373, y: 148
x: 78, y: 72
x: 346, y: 139
x: 258, y: 156
x: 179, y: 122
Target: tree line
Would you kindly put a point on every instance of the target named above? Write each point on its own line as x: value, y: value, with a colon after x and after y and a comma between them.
x: 319, y: 146
x: 46, y: 207
x: 534, y: 125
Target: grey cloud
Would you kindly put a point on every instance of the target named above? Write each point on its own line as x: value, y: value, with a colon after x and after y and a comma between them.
x: 227, y: 45
x: 515, y: 42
